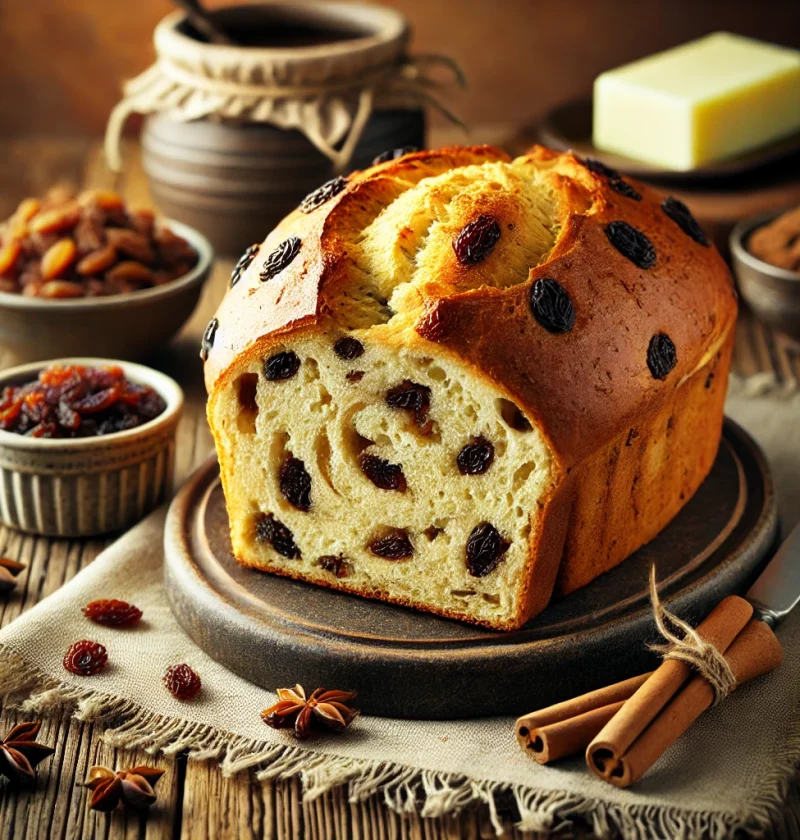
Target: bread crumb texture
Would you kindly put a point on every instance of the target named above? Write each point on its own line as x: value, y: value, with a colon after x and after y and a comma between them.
x: 391, y: 391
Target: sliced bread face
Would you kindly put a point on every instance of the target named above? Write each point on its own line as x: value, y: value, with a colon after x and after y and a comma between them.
x: 367, y: 467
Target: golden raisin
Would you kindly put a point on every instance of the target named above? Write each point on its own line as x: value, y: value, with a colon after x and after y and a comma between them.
x: 66, y: 246
x: 27, y: 209
x: 30, y: 287
x: 58, y: 258
x: 104, y: 199
x: 130, y: 270
x: 8, y: 255
x: 60, y: 289
x: 97, y: 261
x: 56, y: 219
x: 17, y: 228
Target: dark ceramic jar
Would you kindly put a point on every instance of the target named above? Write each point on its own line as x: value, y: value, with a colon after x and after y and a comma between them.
x: 237, y: 135
x: 236, y: 181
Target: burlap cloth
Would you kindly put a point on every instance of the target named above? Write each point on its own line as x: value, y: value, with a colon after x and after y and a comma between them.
x: 729, y: 773
x: 327, y: 92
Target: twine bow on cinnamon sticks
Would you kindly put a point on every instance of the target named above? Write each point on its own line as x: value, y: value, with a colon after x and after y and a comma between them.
x: 626, y: 727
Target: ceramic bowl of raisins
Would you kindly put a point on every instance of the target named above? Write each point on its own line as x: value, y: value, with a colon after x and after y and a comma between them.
x: 87, y: 445
x: 765, y: 253
x: 83, y: 274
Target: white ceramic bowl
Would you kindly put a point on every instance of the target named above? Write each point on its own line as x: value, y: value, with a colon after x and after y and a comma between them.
x: 81, y: 487
x: 129, y: 326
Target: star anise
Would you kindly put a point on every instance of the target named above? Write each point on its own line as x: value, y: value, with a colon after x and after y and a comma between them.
x: 9, y: 569
x: 134, y: 787
x: 19, y: 752
x: 322, y: 710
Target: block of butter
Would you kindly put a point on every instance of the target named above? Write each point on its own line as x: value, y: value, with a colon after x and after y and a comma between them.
x: 698, y: 103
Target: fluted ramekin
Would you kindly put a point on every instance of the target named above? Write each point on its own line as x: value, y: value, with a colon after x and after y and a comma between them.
x: 81, y: 487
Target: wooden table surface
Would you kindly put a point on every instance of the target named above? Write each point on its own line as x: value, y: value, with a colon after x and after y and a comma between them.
x: 194, y: 800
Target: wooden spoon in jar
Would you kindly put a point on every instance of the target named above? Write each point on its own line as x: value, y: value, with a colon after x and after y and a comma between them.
x: 203, y: 22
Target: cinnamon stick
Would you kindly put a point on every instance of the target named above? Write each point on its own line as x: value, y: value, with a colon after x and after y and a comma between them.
x: 568, y: 727
x: 755, y: 651
x: 719, y: 628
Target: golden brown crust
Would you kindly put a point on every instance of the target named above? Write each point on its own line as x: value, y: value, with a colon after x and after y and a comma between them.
x: 628, y: 491
x: 585, y: 389
x: 584, y: 385
x: 581, y: 386
x: 253, y: 310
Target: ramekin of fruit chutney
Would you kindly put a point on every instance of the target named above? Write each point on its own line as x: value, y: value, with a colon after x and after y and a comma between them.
x: 87, y: 446
x: 83, y: 274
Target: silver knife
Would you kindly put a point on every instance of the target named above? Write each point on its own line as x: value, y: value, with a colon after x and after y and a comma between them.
x: 777, y: 589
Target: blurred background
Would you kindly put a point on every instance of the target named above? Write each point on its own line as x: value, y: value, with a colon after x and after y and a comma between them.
x: 63, y: 61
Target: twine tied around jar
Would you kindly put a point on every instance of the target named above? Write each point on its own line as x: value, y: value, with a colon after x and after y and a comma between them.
x: 328, y: 97
x: 690, y: 648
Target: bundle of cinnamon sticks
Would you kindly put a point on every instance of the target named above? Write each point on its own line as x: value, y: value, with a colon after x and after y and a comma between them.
x: 624, y: 728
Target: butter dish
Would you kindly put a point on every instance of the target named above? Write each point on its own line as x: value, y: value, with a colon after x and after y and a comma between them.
x: 711, y: 99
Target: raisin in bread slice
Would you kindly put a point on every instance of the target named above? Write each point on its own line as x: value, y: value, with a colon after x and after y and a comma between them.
x: 455, y: 381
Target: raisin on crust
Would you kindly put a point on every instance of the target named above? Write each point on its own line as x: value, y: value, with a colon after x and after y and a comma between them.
x: 456, y: 355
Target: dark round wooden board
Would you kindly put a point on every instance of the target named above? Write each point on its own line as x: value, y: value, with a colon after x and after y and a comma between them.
x: 276, y: 632
x: 568, y: 127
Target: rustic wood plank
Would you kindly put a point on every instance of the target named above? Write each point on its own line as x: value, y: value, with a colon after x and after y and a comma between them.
x: 216, y: 807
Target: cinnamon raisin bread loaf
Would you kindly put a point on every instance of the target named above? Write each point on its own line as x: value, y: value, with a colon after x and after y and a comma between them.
x: 455, y: 381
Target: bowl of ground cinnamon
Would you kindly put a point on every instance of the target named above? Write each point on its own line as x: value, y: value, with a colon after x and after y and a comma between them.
x: 765, y: 253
